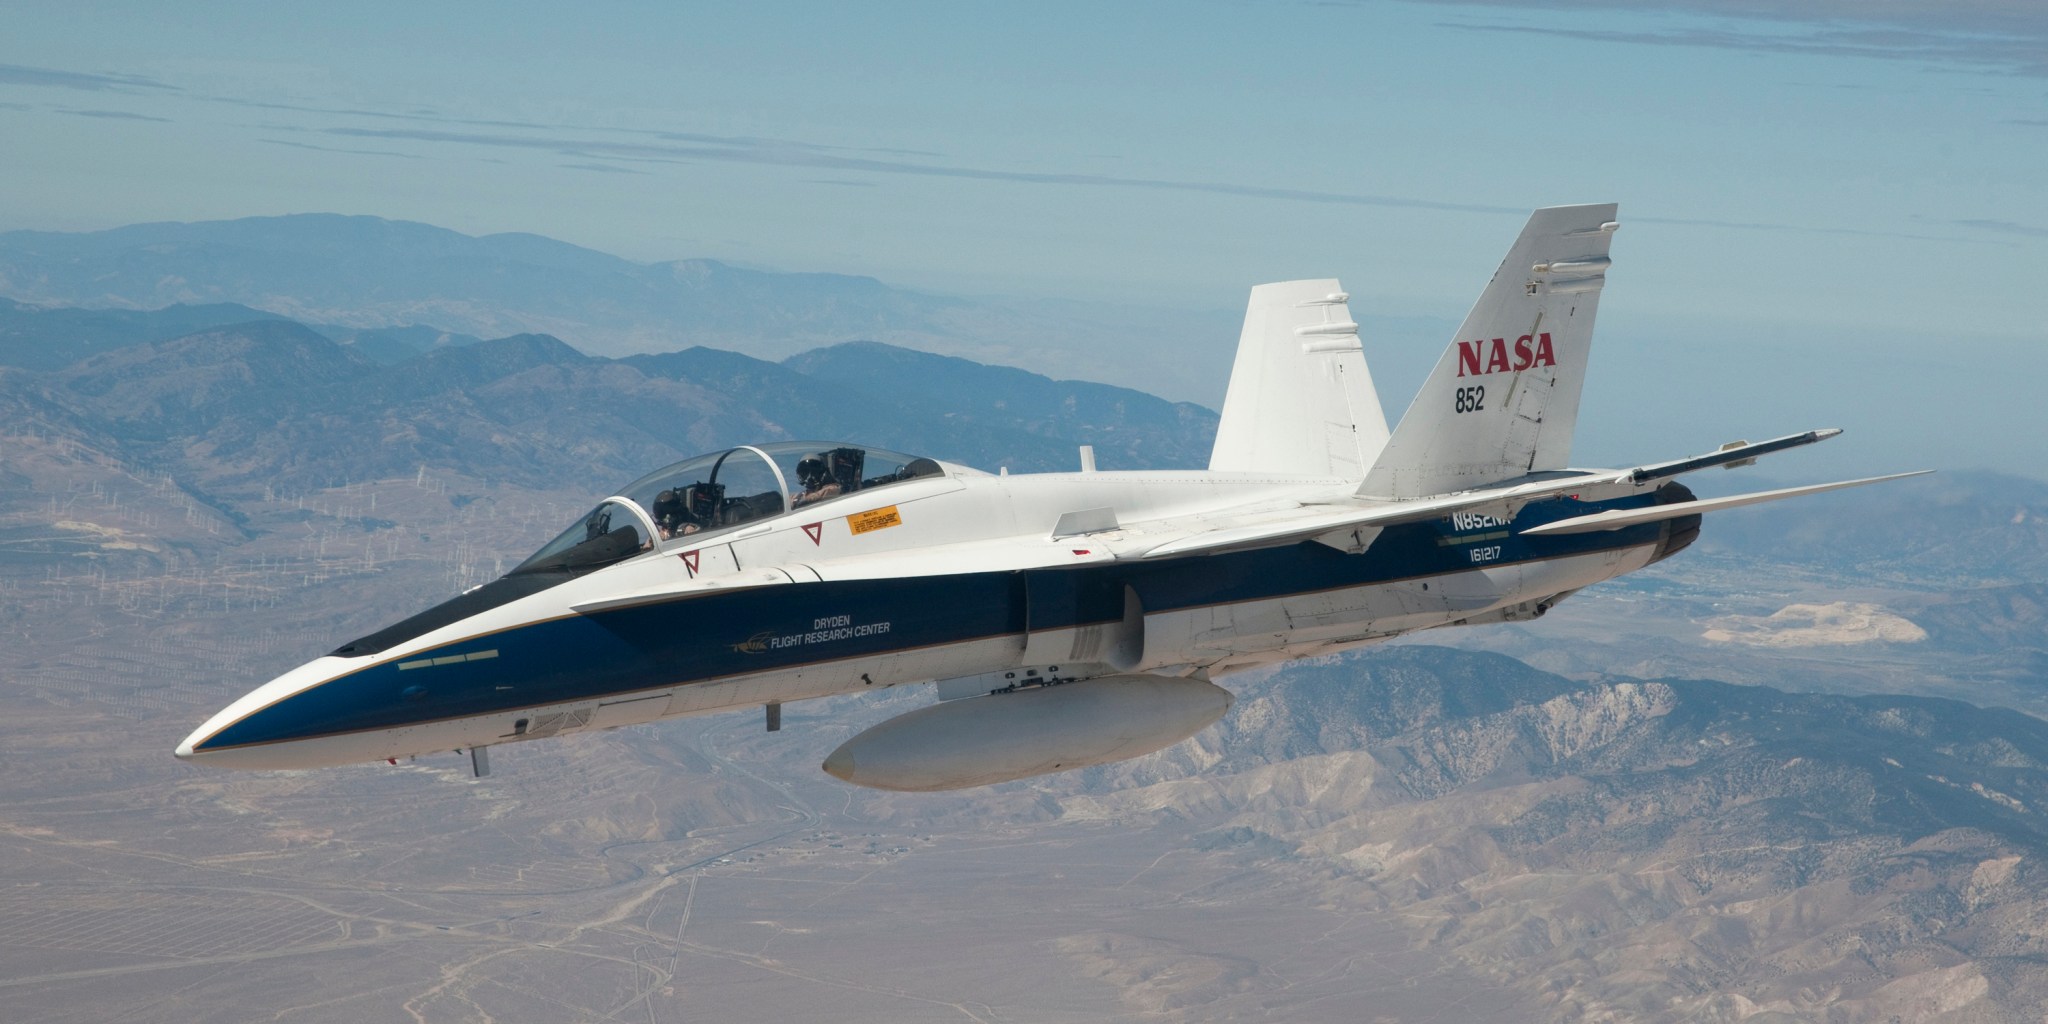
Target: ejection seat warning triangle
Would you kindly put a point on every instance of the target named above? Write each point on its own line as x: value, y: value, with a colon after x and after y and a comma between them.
x: 815, y: 531
x: 690, y: 561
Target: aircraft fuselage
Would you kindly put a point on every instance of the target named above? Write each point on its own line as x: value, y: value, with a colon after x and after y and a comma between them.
x: 900, y: 585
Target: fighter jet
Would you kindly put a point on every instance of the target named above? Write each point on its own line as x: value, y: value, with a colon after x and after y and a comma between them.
x: 1061, y: 619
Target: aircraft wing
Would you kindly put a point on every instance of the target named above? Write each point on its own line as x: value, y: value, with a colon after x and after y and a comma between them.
x: 1345, y: 524
x: 1219, y: 534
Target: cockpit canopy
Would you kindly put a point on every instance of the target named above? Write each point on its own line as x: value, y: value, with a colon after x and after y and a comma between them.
x: 720, y: 491
x: 679, y: 505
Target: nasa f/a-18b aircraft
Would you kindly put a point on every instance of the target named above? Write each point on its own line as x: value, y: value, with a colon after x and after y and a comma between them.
x: 1066, y: 619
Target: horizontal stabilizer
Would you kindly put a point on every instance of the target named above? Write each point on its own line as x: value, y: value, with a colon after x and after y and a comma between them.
x: 1619, y: 518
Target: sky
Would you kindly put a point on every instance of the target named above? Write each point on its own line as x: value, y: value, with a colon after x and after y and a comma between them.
x: 1859, y: 179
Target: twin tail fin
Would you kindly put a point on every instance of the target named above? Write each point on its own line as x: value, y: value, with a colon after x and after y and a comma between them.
x: 1503, y: 400
x: 1301, y: 402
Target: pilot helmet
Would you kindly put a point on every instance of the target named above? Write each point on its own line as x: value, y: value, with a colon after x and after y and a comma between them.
x: 812, y: 472
x: 669, y: 513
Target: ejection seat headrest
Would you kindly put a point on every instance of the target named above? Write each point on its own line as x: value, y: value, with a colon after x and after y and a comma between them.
x: 703, y: 500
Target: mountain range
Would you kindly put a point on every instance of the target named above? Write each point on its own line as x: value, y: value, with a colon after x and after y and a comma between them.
x: 367, y: 273
x: 1617, y: 850
x: 317, y: 267
x: 1678, y: 849
x: 217, y: 422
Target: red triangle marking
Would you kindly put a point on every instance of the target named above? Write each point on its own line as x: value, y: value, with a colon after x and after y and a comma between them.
x: 1080, y: 551
x: 815, y: 531
x: 690, y: 561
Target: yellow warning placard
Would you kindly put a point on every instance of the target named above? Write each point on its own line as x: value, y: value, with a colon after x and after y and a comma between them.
x: 873, y: 519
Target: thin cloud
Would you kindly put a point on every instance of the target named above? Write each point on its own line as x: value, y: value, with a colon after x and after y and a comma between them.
x: 1989, y: 36
x: 782, y: 154
x: 1736, y: 225
x: 816, y: 147
x: 672, y: 147
x: 1988, y: 17
x: 605, y: 168
x: 16, y: 74
x: 2006, y: 227
x: 779, y: 153
x: 2010, y: 56
x: 419, y: 116
x: 111, y: 115
x: 336, y: 149
x: 434, y: 117
x: 901, y: 152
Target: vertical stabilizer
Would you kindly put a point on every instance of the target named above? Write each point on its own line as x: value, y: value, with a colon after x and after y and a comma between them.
x: 1503, y: 400
x: 1301, y: 401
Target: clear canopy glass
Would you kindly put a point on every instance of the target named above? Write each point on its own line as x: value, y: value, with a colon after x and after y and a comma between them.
x: 720, y: 491
x: 818, y: 471
x: 711, y: 492
x: 609, y: 533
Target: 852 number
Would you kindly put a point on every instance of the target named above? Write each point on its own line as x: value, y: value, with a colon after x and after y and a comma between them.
x: 1472, y: 399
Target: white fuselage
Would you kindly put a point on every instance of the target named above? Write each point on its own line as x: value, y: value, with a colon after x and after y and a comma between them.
x: 958, y: 578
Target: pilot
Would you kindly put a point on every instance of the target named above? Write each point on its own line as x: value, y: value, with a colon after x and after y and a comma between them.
x: 815, y: 473
x: 671, y: 517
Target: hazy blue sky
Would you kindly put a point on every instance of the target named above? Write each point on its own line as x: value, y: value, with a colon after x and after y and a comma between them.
x: 1871, y: 172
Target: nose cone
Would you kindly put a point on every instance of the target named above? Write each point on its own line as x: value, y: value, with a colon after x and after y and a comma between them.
x: 230, y: 739
x: 838, y: 764
x: 188, y: 749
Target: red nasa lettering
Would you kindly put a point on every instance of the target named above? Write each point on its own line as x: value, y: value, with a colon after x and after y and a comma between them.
x: 1494, y: 355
